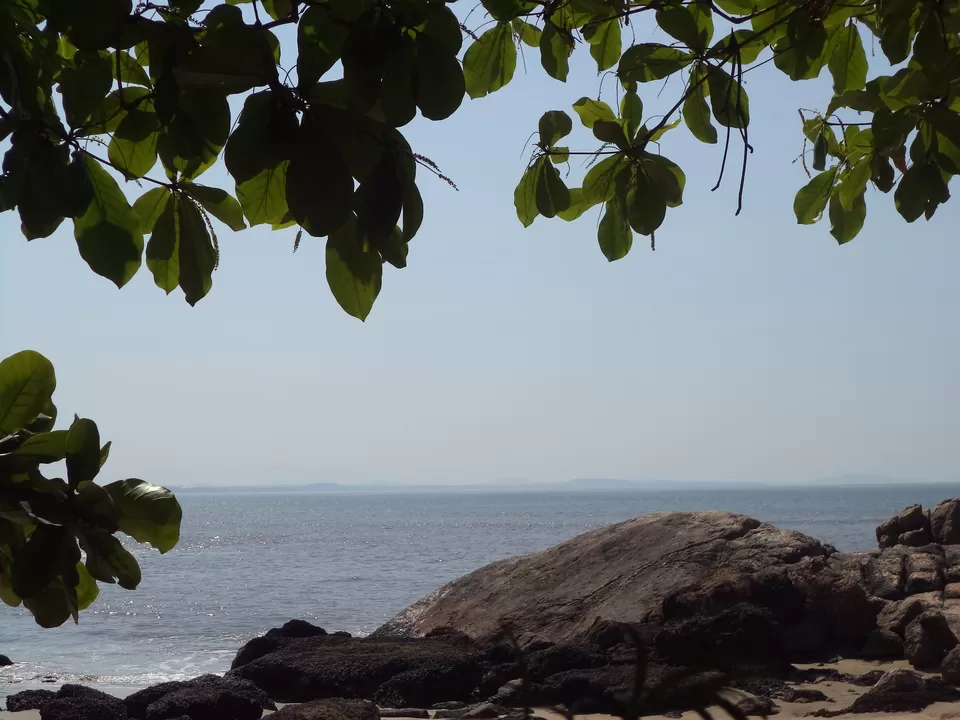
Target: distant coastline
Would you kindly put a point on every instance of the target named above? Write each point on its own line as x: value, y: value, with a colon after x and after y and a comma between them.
x: 574, y: 485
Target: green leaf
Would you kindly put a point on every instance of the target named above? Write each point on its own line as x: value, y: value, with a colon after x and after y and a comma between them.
x: 82, y: 451
x: 278, y: 9
x: 398, y: 100
x: 664, y: 129
x: 525, y: 196
x: 731, y: 106
x: 646, y: 62
x: 106, y: 118
x: 131, y: 71
x: 87, y: 589
x: 96, y: 507
x: 192, y: 142
x: 599, y: 184
x: 820, y: 153
x: 490, y: 61
x: 554, y: 124
x: 845, y: 223
x: 614, y: 232
x: 506, y: 10
x: 49, y: 607
x: 108, y: 561
x: 690, y: 24
x: 319, y: 185
x: 133, y: 149
x: 354, y: 271
x: 881, y: 173
x: 27, y: 382
x: 848, y: 61
x: 605, y: 42
x: 667, y: 176
x: 108, y: 233
x: 197, y: 255
x: 745, y: 43
x: 611, y: 132
x: 320, y: 40
x: 44, y: 447
x: 552, y: 196
x: 263, y: 197
x: 853, y: 184
x: 527, y: 33
x: 802, y: 52
x: 441, y: 82
x: 890, y: 130
x: 646, y: 206
x: 897, y: 25
x: 163, y: 250
x: 42, y: 194
x: 811, y: 200
x: 147, y: 513
x: 149, y: 206
x: 696, y: 114
x: 913, y: 193
x: 555, y: 50
x: 84, y: 85
x: 579, y: 204
x: 631, y: 113
x: 590, y: 111
x: 265, y: 137
x: 37, y: 563
x: 218, y: 203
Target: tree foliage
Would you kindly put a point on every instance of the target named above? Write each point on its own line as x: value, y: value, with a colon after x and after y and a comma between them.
x: 58, y: 537
x: 144, y: 90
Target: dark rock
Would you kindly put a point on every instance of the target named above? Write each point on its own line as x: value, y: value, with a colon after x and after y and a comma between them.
x: 945, y: 522
x: 395, y: 673
x: 758, y: 707
x: 297, y: 629
x: 81, y: 708
x: 882, y: 644
x: 483, y: 711
x: 888, y: 532
x: 450, y: 705
x: 916, y: 538
x: 950, y: 667
x: 897, y: 615
x: 329, y: 709
x: 902, y: 691
x: 605, y: 634
x: 928, y: 639
x: 451, y: 635
x: 884, y: 577
x: 913, y: 518
x: 778, y: 690
x: 342, y: 634
x: 743, y: 633
x: 444, y: 714
x: 70, y: 702
x: 256, y: 648
x: 29, y: 700
x: 835, y: 597
x: 207, y: 696
x: 404, y: 713
x: 574, y: 584
x: 558, y: 658
x: 5, y: 661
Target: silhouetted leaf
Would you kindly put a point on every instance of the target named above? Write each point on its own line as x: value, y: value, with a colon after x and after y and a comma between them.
x: 731, y: 107
x: 555, y: 50
x: 27, y: 382
x: 218, y: 203
x: 320, y: 40
x: 197, y: 255
x: 525, y: 196
x: 440, y: 81
x: 554, y: 124
x: 108, y: 561
x: 490, y: 61
x: 696, y: 114
x: 848, y: 61
x: 84, y: 85
x: 552, y: 195
x: 811, y: 200
x: 690, y: 24
x: 354, y: 272
x: 319, y: 187
x: 646, y: 62
x: 845, y: 223
x: 163, y: 249
x: 108, y: 233
x: 133, y: 149
x: 605, y: 42
x: 82, y: 451
x: 147, y: 513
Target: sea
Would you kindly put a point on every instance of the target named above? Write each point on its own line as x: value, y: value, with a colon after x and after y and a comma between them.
x: 247, y: 562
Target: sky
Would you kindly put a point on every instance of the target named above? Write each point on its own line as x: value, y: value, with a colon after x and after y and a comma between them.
x: 743, y: 349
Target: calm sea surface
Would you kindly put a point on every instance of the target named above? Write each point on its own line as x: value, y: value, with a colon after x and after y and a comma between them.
x: 249, y: 562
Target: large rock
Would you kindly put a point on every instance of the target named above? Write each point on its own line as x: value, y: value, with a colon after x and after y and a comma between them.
x: 70, y: 702
x: 950, y: 667
x: 901, y: 691
x: 945, y: 522
x: 896, y: 616
x: 622, y: 573
x: 911, y: 528
x: 329, y: 709
x: 395, y: 672
x: 5, y: 661
x: 207, y: 696
x: 928, y: 639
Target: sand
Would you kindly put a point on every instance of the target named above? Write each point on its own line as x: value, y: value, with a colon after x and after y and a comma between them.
x: 842, y: 694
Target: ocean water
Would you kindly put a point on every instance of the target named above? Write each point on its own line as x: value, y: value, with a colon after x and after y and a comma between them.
x: 249, y: 562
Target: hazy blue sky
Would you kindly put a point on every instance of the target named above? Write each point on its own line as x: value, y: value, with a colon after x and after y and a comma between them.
x: 745, y: 348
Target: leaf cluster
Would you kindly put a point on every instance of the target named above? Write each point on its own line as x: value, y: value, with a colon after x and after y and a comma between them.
x: 58, y: 536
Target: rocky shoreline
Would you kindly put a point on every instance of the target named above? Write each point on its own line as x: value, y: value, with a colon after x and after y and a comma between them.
x: 706, y: 595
